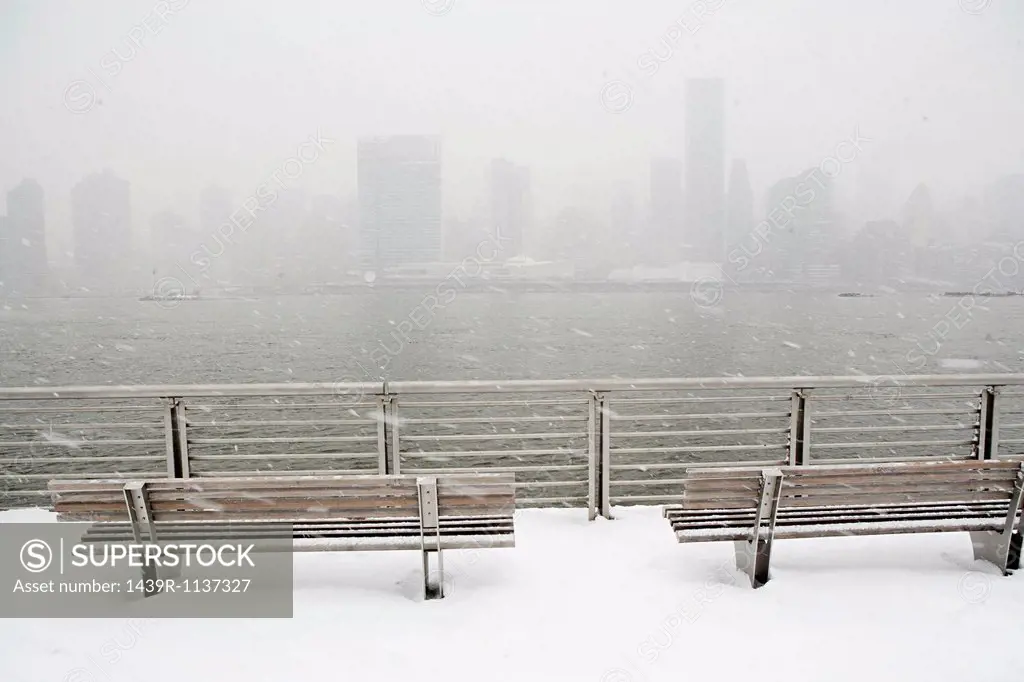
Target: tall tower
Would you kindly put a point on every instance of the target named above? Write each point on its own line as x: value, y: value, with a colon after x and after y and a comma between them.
x: 399, y: 200
x: 705, y: 168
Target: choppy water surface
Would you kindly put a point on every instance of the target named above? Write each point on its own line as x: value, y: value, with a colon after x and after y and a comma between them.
x: 501, y: 335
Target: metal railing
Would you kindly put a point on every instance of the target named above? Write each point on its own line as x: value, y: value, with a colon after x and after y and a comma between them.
x: 570, y: 443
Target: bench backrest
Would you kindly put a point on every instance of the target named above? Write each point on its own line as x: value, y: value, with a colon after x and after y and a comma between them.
x: 286, y: 498
x: 855, y: 484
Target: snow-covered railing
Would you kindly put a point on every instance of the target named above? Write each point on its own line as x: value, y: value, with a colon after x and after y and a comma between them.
x: 572, y: 443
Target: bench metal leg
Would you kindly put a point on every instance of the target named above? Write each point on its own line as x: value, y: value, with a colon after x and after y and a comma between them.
x: 141, y: 516
x: 430, y: 533
x: 1003, y: 548
x: 753, y: 556
x: 753, y: 560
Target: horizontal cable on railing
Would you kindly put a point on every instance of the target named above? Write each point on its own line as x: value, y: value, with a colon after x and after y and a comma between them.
x: 694, y: 465
x: 888, y: 444
x: 896, y: 398
x: 493, y: 436
x: 492, y: 420
x: 307, y: 422
x: 894, y: 412
x: 41, y: 409
x: 492, y: 403
x: 287, y: 455
x: 651, y: 481
x: 540, y: 501
x: 80, y: 443
x: 89, y: 474
x: 282, y: 439
x: 492, y: 453
x: 284, y: 472
x: 705, y: 432
x: 549, y: 484
x: 499, y: 469
x: 93, y: 426
x: 701, y: 448
x: 703, y: 399
x: 898, y: 427
x: 618, y: 416
x: 46, y: 459
x: 891, y: 460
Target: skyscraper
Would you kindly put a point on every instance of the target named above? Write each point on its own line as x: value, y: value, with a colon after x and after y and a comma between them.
x: 399, y: 200
x: 25, y: 227
x: 705, y: 168
x: 666, y: 234
x: 510, y: 196
x: 101, y: 219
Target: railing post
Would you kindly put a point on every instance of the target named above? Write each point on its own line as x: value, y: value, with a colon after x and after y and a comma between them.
x: 799, y: 442
x: 594, y: 460
x: 988, y: 424
x: 395, y: 451
x: 176, y: 438
x: 383, y: 436
x: 605, y: 454
x: 599, y: 436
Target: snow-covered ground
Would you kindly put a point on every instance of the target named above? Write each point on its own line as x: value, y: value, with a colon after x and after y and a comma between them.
x: 608, y: 601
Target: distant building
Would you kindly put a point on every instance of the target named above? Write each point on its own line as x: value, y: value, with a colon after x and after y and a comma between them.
x: 27, y: 267
x: 4, y: 257
x: 399, y: 200
x: 101, y: 220
x: 666, y: 234
x: 739, y: 213
x: 1004, y: 206
x: 705, y: 168
x: 801, y: 245
x: 510, y: 205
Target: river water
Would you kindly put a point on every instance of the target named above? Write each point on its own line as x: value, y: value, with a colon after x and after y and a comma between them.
x: 502, y: 335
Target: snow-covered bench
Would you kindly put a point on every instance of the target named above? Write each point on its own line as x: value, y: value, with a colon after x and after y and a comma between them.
x: 328, y: 513
x: 754, y: 506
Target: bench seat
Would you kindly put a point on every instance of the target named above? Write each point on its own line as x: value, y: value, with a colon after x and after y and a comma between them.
x: 752, y: 507
x: 325, y: 513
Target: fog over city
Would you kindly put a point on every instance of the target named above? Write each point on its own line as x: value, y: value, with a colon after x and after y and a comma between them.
x: 177, y: 96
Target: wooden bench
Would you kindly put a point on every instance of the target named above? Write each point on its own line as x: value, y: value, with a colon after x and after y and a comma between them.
x: 327, y: 513
x: 752, y: 507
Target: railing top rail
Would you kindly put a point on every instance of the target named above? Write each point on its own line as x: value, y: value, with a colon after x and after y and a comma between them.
x: 368, y: 389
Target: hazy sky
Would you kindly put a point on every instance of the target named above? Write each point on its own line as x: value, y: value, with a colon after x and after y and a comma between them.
x: 227, y: 90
